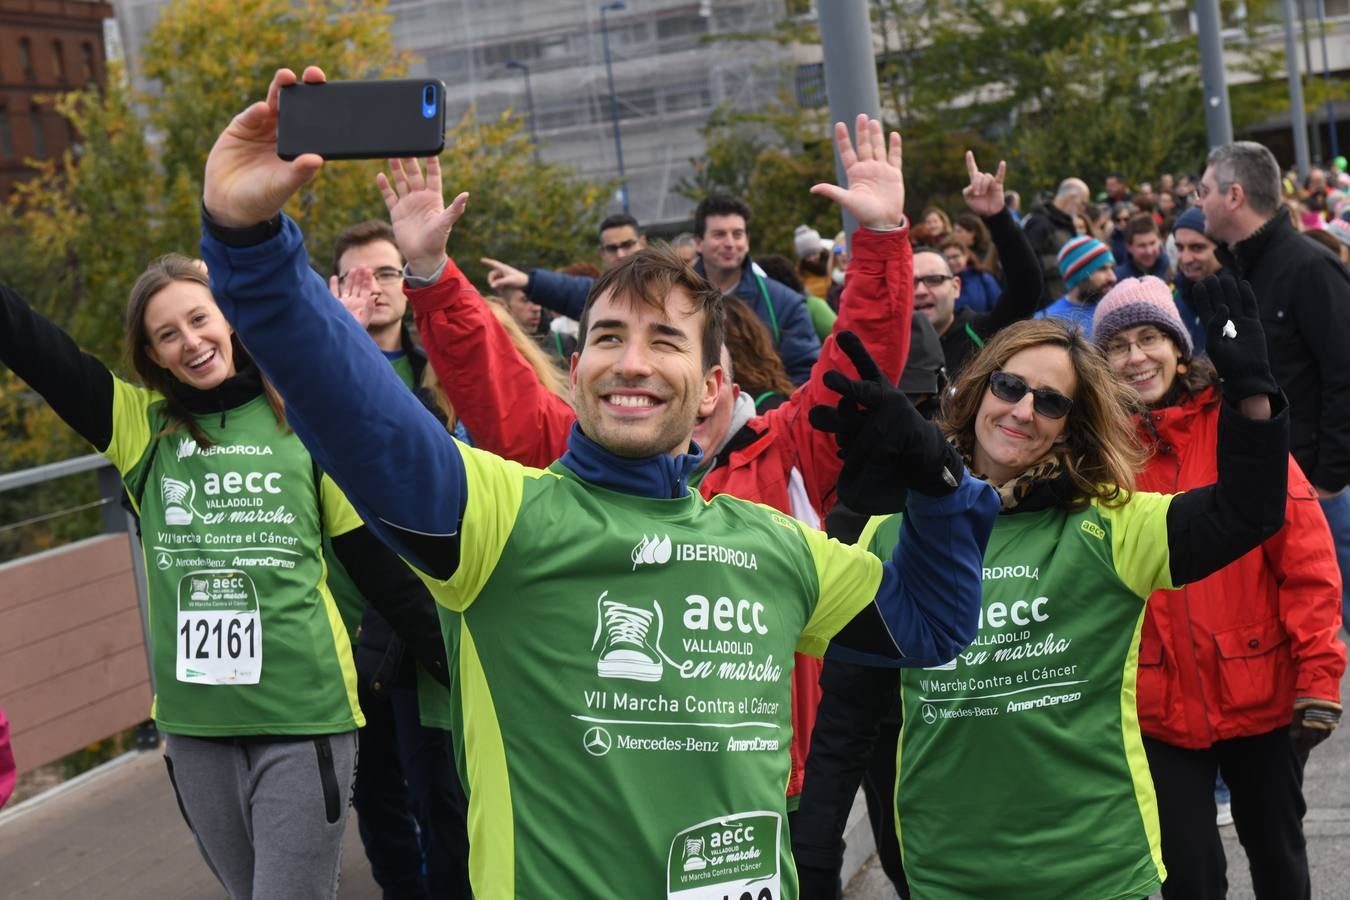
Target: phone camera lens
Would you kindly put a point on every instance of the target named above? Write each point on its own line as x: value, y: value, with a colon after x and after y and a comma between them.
x: 428, y: 95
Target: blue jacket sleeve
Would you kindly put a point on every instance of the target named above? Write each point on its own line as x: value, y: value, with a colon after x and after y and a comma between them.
x: 799, y: 345
x: 929, y: 597
x: 565, y: 294
x: 390, y: 456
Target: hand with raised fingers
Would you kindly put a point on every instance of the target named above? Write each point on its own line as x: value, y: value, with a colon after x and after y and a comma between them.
x: 875, y: 194
x: 888, y: 448
x: 503, y: 277
x: 245, y: 181
x: 357, y: 293
x: 417, y: 211
x: 1236, y: 342
x: 984, y: 194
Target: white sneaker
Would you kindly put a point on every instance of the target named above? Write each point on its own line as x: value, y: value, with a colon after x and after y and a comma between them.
x: 627, y: 651
x: 1225, y: 815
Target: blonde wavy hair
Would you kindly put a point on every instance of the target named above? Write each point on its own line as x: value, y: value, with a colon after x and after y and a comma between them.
x: 1101, y: 451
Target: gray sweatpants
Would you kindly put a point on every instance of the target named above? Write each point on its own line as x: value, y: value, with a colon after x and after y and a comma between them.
x: 268, y: 814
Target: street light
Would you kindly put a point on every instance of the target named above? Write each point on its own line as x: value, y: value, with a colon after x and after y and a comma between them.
x: 529, y: 102
x: 613, y: 100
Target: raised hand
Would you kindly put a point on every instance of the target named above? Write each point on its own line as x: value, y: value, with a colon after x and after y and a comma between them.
x: 875, y: 195
x: 357, y: 293
x: 246, y: 182
x: 501, y: 276
x: 417, y: 211
x: 1236, y: 343
x: 984, y: 194
x: 888, y: 448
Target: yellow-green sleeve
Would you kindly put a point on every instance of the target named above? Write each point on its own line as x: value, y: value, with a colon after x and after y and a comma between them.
x: 339, y: 516
x: 848, y: 578
x: 1139, y: 548
x: 130, y: 425
x: 495, y: 489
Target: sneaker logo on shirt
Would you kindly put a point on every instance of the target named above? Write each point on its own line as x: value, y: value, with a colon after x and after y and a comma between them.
x: 624, y: 635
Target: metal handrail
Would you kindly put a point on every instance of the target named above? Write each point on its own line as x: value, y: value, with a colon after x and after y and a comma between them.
x: 52, y: 471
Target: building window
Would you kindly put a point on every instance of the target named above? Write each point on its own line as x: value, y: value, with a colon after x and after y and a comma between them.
x: 39, y: 138
x: 87, y: 68
x: 59, y: 61
x: 6, y: 136
x: 26, y: 59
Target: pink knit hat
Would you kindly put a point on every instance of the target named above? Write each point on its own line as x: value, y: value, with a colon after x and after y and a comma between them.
x: 1139, y: 301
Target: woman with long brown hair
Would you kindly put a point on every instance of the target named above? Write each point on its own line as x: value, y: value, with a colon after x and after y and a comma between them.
x: 1021, y: 769
x: 254, y: 683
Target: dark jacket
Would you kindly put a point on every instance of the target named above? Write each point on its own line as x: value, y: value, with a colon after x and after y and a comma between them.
x: 785, y: 316
x: 1128, y: 268
x: 1304, y: 295
x: 1048, y: 229
x: 1021, y: 297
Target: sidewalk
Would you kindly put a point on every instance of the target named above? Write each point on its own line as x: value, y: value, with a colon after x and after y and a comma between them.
x: 117, y: 835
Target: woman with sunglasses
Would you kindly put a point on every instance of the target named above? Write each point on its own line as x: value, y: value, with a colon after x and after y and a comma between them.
x: 1227, y: 663
x: 255, y: 688
x: 1021, y: 769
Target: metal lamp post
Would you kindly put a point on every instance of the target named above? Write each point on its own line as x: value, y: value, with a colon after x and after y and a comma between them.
x: 529, y: 102
x: 613, y: 99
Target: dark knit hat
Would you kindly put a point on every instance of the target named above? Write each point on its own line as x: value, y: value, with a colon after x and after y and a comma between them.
x: 1140, y: 301
x: 1080, y: 257
x: 923, y: 368
x: 1193, y: 218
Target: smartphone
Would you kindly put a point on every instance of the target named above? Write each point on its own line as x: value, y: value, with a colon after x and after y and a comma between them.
x: 362, y: 119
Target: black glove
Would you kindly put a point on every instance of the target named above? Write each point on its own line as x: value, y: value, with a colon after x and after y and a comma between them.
x: 885, y: 444
x: 1314, y: 720
x: 1236, y: 341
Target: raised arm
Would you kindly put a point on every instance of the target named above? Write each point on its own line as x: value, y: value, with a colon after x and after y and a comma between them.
x: 564, y: 294
x: 876, y: 303
x: 389, y: 455
x: 1024, y: 280
x: 1209, y: 527
x: 77, y: 386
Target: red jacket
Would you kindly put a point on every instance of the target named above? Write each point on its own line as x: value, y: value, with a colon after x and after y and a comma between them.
x: 786, y: 463
x: 1227, y: 656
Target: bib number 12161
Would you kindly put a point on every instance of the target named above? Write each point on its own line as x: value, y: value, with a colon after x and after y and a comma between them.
x: 219, y: 639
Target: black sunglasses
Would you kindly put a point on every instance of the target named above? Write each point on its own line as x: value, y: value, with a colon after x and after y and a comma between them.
x: 1011, y: 389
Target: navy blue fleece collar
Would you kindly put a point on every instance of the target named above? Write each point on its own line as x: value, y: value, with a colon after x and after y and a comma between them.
x: 661, y: 477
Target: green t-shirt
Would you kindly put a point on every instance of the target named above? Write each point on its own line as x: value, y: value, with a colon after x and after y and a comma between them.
x: 622, y: 676
x: 245, y: 637
x: 1021, y: 772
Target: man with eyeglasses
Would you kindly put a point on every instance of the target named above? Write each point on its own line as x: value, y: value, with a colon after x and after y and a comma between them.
x: 963, y: 332
x: 406, y: 785
x: 525, y: 290
x: 1304, y: 295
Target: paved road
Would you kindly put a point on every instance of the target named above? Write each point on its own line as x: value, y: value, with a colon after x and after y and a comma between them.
x: 1327, y: 826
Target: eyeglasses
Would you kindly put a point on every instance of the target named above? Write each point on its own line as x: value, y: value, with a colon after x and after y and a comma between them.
x: 931, y: 281
x: 1011, y: 388
x: 620, y: 247
x: 1119, y: 348
x: 385, y: 275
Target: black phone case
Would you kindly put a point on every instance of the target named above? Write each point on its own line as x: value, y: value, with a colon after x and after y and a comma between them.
x: 361, y: 119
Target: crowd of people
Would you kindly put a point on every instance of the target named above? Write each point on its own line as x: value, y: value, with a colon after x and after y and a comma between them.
x: 621, y: 580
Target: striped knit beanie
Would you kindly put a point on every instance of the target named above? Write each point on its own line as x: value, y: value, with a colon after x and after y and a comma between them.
x: 1140, y: 301
x: 1080, y: 257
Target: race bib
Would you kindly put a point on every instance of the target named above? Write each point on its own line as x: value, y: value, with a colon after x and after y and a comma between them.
x: 730, y: 858
x: 219, y: 628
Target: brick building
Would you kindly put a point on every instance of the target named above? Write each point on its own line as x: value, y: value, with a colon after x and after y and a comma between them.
x: 46, y: 47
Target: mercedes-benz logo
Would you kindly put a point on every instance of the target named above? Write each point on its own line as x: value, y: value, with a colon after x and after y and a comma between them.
x: 597, y: 741
x: 929, y: 714
x: 163, y: 561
